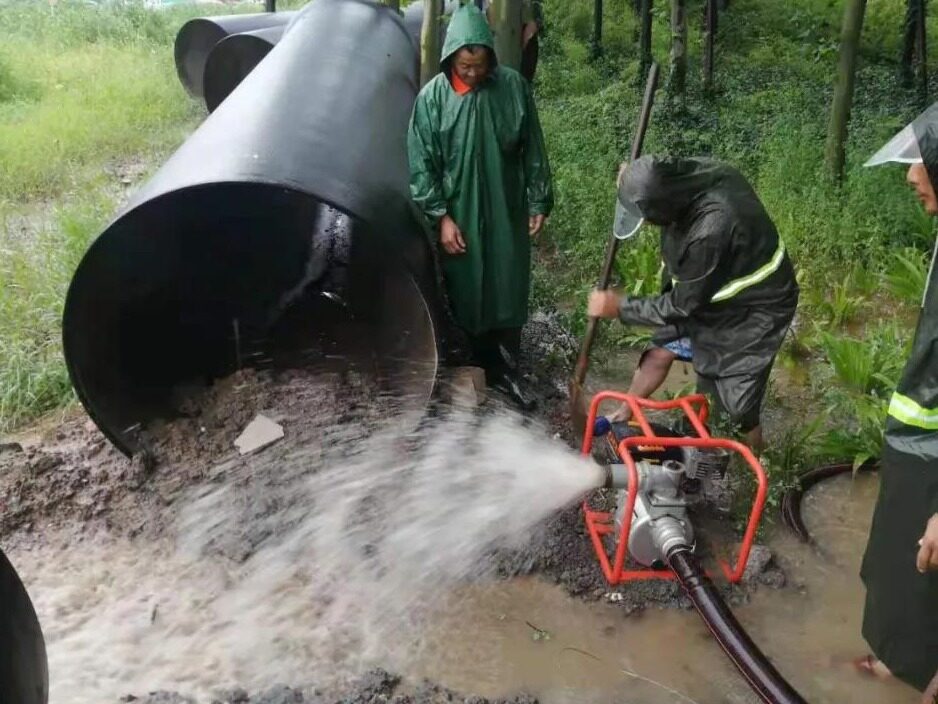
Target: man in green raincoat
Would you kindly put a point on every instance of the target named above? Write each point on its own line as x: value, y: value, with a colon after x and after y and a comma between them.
x: 900, y: 567
x: 479, y: 172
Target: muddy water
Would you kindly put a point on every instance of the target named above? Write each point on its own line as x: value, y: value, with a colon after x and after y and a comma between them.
x: 123, y: 617
x: 414, y: 592
x: 491, y: 638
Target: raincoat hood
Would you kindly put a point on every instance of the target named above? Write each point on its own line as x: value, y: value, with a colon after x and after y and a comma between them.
x: 915, y: 143
x: 664, y: 188
x: 468, y: 26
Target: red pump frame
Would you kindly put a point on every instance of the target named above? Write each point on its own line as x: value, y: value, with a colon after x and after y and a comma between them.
x: 601, y: 523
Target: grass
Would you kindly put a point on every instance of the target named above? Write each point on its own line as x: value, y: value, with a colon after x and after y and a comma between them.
x: 83, y: 90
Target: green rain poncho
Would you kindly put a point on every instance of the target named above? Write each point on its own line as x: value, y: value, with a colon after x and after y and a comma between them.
x: 900, y: 621
x: 480, y: 158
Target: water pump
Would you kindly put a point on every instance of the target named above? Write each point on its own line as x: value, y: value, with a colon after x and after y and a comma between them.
x: 666, y: 488
x: 658, y: 474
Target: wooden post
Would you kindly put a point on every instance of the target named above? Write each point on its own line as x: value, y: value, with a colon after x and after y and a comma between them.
x: 645, y: 40
x: 710, y: 29
x: 596, y: 41
x: 909, y: 38
x: 507, y: 32
x: 922, y: 50
x: 835, y: 156
x: 678, y: 77
x: 430, y: 40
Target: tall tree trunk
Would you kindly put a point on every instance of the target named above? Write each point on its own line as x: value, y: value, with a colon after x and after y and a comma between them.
x: 710, y: 31
x: 909, y: 38
x: 430, y: 40
x: 645, y: 41
x: 596, y: 41
x: 508, y: 32
x: 270, y: 5
x: 843, y: 88
x: 678, y: 76
x: 922, y: 50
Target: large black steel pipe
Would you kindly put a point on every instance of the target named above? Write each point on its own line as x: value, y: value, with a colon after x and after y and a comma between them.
x: 281, y: 229
x: 198, y: 37
x: 235, y: 56
x: 232, y: 59
x: 24, y: 675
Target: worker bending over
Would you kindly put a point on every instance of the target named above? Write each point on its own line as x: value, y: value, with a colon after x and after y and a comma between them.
x: 732, y: 292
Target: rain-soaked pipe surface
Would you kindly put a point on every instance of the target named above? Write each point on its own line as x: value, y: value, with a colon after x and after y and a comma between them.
x: 762, y: 676
x: 232, y: 59
x: 281, y: 233
x: 197, y: 37
x: 24, y: 676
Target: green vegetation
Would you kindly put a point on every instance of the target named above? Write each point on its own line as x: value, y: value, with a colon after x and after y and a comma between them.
x: 861, y: 248
x: 88, y: 97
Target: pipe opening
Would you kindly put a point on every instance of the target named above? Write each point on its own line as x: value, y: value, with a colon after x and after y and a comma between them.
x: 198, y: 36
x: 232, y: 59
x: 189, y: 287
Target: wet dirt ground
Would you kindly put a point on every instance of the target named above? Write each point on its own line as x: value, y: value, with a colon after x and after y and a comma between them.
x: 550, y: 627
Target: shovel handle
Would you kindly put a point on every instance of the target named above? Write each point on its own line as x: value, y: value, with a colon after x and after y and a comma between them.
x: 582, y: 363
x: 647, y: 101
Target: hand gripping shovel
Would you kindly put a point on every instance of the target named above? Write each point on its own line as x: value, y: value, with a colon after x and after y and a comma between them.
x: 625, y: 226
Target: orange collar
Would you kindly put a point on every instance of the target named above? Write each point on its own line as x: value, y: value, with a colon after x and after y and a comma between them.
x: 459, y: 85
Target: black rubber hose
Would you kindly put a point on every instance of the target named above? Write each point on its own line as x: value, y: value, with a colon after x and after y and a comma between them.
x: 762, y: 676
x: 791, y: 499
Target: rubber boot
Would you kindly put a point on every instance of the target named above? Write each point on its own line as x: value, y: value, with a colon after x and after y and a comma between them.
x: 509, y: 379
x: 485, y: 354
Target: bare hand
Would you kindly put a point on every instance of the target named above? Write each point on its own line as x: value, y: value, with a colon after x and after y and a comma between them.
x: 535, y: 225
x: 451, y: 236
x: 603, y: 304
x: 928, y: 551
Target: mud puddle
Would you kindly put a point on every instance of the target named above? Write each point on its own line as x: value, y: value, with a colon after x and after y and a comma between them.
x: 529, y: 635
x: 146, y: 617
x: 232, y: 587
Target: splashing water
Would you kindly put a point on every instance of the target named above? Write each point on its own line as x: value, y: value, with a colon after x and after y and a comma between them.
x: 344, y: 561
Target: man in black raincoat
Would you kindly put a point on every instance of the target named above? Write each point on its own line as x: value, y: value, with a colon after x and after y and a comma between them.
x: 900, y: 567
x: 733, y: 292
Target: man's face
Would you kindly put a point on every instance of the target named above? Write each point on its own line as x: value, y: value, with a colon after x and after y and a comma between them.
x: 471, y: 66
x: 918, y: 179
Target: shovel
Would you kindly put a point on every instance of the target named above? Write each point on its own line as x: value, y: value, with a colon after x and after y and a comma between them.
x: 625, y: 226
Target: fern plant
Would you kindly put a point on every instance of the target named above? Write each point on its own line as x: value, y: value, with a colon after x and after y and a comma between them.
x: 906, y: 277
